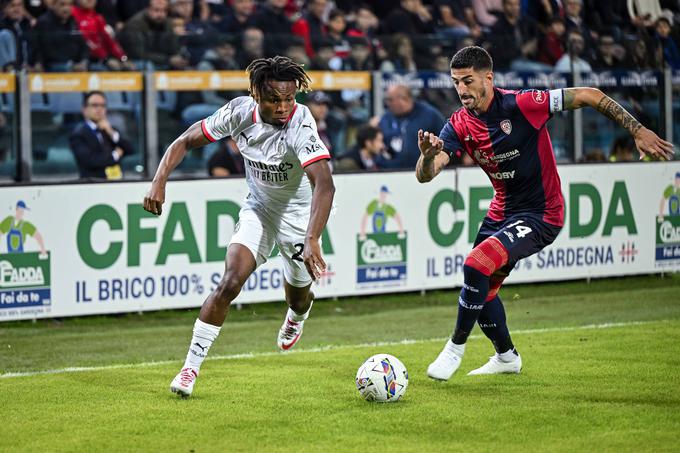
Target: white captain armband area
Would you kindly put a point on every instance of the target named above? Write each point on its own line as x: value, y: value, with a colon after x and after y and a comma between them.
x: 556, y: 100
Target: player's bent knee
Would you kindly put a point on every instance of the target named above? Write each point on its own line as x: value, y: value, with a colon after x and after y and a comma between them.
x: 488, y: 257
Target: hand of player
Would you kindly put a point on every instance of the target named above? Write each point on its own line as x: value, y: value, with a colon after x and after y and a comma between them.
x: 155, y: 197
x: 648, y: 143
x: 312, y: 258
x: 429, y: 144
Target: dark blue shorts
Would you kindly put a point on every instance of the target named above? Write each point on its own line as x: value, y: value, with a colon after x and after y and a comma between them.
x: 522, y: 235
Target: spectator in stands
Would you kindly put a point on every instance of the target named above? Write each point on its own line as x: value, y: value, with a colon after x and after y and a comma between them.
x: 551, y: 48
x: 573, y: 19
x: 336, y: 33
x: 148, y: 37
x: 487, y: 12
x: 59, y: 46
x: 238, y: 18
x: 222, y: 57
x: 127, y: 9
x: 36, y: 8
x: 104, y: 49
x: 457, y: 18
x: 109, y: 11
x: 594, y: 156
x: 609, y: 17
x: 96, y: 145
x: 252, y: 46
x: 360, y: 57
x: 575, y: 47
x: 399, y: 55
x: 325, y: 59
x: 400, y: 125
x: 272, y: 19
x: 311, y: 26
x: 226, y: 160
x: 365, y: 23
x: 15, y: 36
x: 319, y: 104
x: 666, y: 48
x: 366, y: 154
x: 639, y: 55
x: 623, y: 150
x: 644, y: 13
x: 198, y: 34
x: 542, y: 11
x: 609, y: 54
x: 410, y: 17
x: 514, y: 39
x: 297, y: 51
x: 219, y: 58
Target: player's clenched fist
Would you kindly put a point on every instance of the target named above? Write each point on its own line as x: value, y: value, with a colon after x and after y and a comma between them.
x: 154, y: 199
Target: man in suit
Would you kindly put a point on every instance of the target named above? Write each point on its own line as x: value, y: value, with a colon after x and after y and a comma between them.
x: 97, y: 146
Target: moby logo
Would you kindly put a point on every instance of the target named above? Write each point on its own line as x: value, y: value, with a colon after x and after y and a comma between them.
x: 503, y: 174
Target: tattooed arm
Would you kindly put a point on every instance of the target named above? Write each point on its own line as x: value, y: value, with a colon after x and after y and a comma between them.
x: 647, y: 142
x: 432, y: 159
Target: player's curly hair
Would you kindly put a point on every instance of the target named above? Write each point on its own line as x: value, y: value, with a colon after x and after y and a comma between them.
x: 474, y: 57
x: 280, y: 68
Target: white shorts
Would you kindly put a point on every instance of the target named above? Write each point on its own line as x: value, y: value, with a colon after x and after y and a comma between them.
x: 258, y: 232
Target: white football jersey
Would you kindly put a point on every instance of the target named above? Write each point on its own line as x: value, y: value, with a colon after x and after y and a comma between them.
x: 274, y: 157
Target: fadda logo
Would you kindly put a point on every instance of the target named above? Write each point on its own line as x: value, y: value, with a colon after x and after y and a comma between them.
x: 381, y: 254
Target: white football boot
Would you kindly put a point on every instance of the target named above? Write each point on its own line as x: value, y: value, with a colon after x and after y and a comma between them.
x: 291, y: 330
x: 497, y: 366
x: 446, y: 363
x: 183, y: 384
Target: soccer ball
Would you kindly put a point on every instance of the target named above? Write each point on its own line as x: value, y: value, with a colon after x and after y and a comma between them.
x: 382, y: 378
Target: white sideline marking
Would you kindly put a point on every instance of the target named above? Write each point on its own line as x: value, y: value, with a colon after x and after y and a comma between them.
x: 252, y: 355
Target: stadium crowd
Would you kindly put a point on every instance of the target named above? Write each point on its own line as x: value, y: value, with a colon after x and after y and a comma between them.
x: 336, y: 35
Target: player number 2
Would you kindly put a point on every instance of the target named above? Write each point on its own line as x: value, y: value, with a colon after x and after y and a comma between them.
x: 521, y: 230
x: 297, y: 256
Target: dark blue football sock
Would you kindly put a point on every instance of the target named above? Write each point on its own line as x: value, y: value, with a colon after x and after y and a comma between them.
x: 470, y: 303
x: 492, y: 322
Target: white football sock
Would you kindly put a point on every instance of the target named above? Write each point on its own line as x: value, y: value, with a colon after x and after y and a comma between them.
x: 508, y: 356
x: 297, y: 317
x: 204, y: 335
x: 458, y: 349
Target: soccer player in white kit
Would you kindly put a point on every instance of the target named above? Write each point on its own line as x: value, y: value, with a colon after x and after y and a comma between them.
x: 290, y: 196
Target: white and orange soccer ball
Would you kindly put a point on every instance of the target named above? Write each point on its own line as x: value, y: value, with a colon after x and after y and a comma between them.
x: 382, y: 378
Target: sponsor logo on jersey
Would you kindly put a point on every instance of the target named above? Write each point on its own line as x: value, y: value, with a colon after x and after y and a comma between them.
x: 486, y: 157
x: 506, y: 126
x: 502, y: 174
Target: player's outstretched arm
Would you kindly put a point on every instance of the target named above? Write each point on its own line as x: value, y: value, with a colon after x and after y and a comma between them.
x: 432, y: 159
x: 322, y: 199
x: 193, y: 137
x: 647, y: 142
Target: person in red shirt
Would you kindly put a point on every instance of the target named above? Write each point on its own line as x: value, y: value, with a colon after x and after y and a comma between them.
x: 99, y: 37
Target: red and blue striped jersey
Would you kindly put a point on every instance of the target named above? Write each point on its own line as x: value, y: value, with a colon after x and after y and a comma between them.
x: 510, y: 142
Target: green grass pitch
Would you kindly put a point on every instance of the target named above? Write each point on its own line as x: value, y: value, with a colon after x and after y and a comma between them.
x: 601, y: 373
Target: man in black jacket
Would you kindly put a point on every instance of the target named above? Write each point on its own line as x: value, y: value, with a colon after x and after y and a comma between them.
x: 59, y: 44
x: 97, y: 146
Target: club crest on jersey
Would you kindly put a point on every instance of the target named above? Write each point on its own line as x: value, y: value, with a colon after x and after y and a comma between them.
x: 539, y: 96
x: 506, y: 126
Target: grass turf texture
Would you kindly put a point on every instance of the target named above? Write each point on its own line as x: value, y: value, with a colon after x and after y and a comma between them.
x: 594, y: 389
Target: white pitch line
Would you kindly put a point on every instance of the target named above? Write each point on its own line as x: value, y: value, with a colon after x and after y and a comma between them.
x: 254, y: 355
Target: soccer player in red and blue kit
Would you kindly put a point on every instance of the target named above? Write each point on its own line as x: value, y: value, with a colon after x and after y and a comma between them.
x: 505, y: 134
